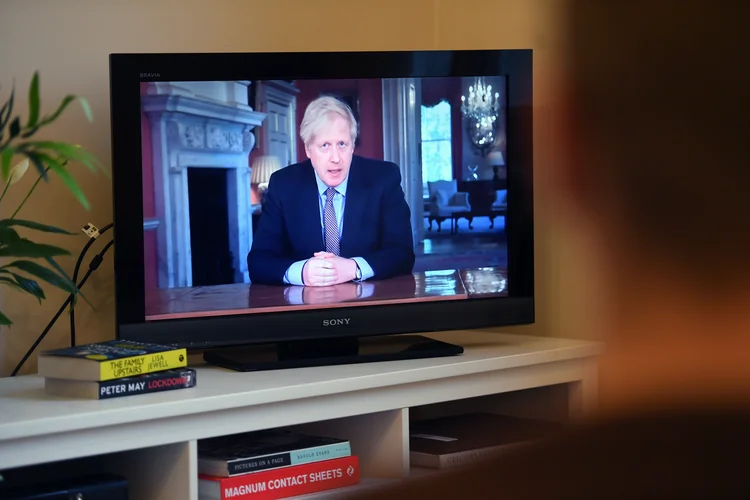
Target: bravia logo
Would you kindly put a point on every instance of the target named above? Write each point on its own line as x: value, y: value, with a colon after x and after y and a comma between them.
x: 336, y: 322
x: 150, y: 75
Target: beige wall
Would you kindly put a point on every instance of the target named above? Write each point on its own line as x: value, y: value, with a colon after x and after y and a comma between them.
x: 69, y: 41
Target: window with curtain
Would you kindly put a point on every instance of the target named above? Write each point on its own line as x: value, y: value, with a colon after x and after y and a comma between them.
x: 436, y: 144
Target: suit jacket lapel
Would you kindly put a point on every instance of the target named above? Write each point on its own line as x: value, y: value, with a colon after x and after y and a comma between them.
x: 356, y: 201
x: 309, y: 213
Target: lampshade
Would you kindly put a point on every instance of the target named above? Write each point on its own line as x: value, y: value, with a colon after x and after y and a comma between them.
x: 263, y: 167
x: 495, y: 159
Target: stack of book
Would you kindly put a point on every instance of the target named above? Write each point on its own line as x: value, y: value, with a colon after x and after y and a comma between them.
x: 114, y: 369
x: 273, y: 464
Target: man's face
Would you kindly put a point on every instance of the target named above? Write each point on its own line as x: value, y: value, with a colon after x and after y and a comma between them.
x: 331, y: 150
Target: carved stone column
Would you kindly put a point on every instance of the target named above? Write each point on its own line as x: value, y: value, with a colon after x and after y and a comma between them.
x: 401, y: 142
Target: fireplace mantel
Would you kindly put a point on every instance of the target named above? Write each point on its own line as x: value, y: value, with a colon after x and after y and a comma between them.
x: 190, y: 130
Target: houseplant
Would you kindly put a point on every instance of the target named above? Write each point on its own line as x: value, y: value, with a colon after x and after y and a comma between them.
x: 26, y: 264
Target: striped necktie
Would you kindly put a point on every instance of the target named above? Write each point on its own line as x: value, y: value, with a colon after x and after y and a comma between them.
x: 330, y: 225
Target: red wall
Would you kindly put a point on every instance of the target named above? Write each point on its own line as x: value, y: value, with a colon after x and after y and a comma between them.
x: 149, y: 210
x: 370, y: 111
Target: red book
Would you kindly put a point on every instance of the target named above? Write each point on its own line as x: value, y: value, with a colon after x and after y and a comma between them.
x: 283, y: 482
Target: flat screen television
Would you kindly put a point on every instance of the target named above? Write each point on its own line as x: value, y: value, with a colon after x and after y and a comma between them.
x: 304, y: 208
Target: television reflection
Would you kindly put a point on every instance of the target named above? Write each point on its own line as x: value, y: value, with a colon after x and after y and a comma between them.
x: 485, y: 281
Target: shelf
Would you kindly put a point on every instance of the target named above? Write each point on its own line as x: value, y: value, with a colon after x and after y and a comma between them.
x: 369, y: 404
x: 423, y: 471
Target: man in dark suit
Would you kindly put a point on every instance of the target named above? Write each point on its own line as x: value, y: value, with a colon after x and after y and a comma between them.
x: 335, y: 217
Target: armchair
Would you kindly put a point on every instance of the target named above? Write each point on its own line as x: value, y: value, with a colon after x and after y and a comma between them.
x: 499, y: 206
x: 445, y: 200
x: 501, y: 200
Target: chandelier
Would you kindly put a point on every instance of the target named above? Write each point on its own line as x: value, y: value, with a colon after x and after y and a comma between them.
x: 481, y: 109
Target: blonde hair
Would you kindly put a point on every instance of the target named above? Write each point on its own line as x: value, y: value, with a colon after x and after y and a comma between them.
x: 317, y: 115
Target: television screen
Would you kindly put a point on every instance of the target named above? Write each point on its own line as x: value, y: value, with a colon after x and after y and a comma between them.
x: 329, y: 195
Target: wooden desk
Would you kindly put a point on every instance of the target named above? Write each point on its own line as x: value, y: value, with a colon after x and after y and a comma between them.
x: 244, y: 298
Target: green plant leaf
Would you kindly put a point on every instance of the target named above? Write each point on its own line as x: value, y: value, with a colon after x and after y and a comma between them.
x: 5, y: 158
x: 7, y: 109
x: 4, y: 280
x: 86, y: 108
x: 47, y: 119
x: 33, y: 225
x: 52, y: 262
x: 43, y: 273
x: 67, y: 179
x: 68, y: 151
x: 30, y: 286
x: 15, y: 127
x: 8, y: 235
x: 27, y: 248
x: 17, y: 172
x: 29, y: 132
x: 38, y: 164
x: 33, y: 101
x: 4, y: 320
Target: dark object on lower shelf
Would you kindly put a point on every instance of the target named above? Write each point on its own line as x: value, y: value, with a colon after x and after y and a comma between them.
x: 322, y: 352
x: 457, y: 440
x: 91, y: 487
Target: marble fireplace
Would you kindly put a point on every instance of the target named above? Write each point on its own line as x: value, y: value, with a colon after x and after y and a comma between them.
x: 199, y: 125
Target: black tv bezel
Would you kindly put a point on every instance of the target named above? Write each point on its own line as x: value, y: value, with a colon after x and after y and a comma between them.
x: 129, y: 70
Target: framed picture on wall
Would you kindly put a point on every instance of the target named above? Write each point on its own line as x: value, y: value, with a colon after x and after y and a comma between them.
x: 351, y: 98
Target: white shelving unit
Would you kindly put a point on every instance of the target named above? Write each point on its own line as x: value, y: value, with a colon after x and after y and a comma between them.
x: 152, y: 439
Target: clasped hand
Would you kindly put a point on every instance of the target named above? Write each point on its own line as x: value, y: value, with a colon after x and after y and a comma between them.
x: 326, y: 269
x: 317, y: 295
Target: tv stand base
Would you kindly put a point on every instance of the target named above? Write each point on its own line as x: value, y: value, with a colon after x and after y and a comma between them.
x: 333, y: 351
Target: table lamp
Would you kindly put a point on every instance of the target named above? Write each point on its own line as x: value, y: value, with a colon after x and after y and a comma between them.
x: 496, y: 160
x: 262, y: 168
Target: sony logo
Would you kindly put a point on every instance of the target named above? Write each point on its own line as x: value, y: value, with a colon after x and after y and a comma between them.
x: 150, y: 75
x: 336, y: 322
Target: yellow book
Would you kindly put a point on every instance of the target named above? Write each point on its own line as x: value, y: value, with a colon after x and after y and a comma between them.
x: 110, y: 360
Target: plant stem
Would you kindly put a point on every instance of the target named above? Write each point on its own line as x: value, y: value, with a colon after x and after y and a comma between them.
x: 5, y: 190
x: 27, y: 195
